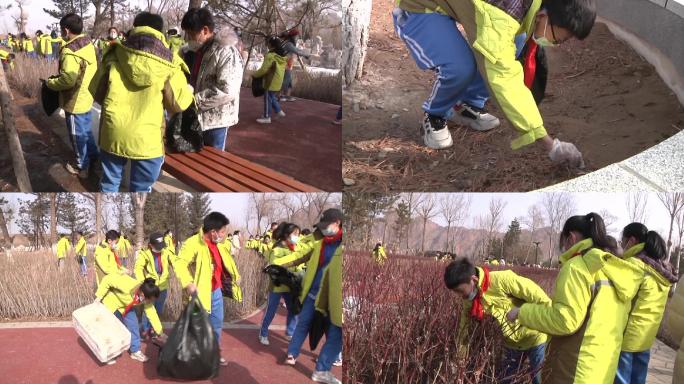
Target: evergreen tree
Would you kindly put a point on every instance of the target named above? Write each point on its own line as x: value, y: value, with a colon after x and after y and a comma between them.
x: 70, y: 213
x: 197, y: 206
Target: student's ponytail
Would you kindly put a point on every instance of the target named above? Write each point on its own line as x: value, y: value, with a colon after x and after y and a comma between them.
x: 654, y: 246
x: 597, y: 231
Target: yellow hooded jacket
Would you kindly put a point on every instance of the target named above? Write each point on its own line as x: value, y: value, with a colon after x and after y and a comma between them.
x: 144, y: 267
x: 63, y: 247
x: 587, y: 316
x: 117, y: 292
x: 105, y: 262
x: 675, y: 325
x: 77, y: 66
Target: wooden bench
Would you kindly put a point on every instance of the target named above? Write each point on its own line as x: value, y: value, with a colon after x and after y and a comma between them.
x: 212, y: 170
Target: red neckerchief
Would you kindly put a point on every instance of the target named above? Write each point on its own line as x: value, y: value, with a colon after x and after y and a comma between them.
x: 477, y: 310
x: 118, y: 262
x: 328, y: 240
x: 197, y: 62
x: 158, y: 257
x: 530, y: 63
x: 218, y: 264
x: 576, y: 254
x: 291, y: 246
x: 136, y: 301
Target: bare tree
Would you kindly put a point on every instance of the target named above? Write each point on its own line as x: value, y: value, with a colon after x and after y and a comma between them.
x: 262, y: 207
x: 53, y: 218
x: 680, y: 235
x: 454, y: 210
x: 636, y: 206
x: 609, y: 219
x: 96, y: 199
x: 4, y: 230
x: 494, y: 218
x: 138, y: 200
x: 426, y: 211
x: 673, y: 202
x: 558, y: 207
x: 21, y: 19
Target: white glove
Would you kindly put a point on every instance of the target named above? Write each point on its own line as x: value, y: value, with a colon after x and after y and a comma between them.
x: 567, y: 153
x: 192, y: 90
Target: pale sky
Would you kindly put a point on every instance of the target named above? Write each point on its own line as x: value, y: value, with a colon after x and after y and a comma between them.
x: 517, y: 204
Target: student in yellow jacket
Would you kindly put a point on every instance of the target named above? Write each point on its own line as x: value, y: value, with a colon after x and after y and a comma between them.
x: 63, y: 247
x: 647, y: 251
x: 81, y: 252
x: 77, y: 66
x: 320, y: 251
x: 265, y: 247
x: 210, y: 260
x: 231, y: 268
x: 485, y: 64
x: 168, y: 241
x: 44, y: 44
x: 27, y: 45
x: 121, y: 294
x: 138, y: 79
x: 286, y: 240
x: 272, y: 71
x: 124, y: 249
x: 674, y: 321
x: 175, y: 40
x: 495, y: 293
x: 589, y: 308
x: 154, y: 263
x: 107, y: 261
x: 379, y: 255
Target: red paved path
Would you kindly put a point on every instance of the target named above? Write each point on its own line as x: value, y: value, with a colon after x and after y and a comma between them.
x: 304, y: 144
x: 59, y: 356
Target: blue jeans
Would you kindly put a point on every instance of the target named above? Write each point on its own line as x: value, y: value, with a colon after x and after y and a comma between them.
x: 302, y: 329
x: 216, y: 137
x: 84, y: 267
x: 272, y: 308
x: 450, y: 56
x: 216, y: 315
x: 514, y: 360
x: 331, y: 350
x: 158, y: 306
x: 339, y: 114
x: 81, y: 137
x: 271, y: 102
x: 632, y: 367
x: 144, y: 173
x: 131, y: 323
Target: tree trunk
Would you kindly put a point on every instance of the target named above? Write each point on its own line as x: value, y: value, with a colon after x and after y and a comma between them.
x: 139, y: 198
x: 195, y: 4
x: 98, y: 217
x: 355, y: 25
x: 4, y: 229
x: 53, y: 218
x: 447, y: 236
x: 669, y: 236
x: 422, y: 242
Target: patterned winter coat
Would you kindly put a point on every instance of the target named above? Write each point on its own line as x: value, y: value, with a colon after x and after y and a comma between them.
x: 217, y: 90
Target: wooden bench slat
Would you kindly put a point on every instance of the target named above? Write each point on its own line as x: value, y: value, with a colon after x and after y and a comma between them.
x: 264, y: 171
x: 220, y: 165
x: 248, y: 173
x: 190, y: 176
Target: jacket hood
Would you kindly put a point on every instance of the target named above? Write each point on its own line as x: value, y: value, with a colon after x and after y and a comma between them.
x: 226, y: 37
x: 144, y: 58
x: 661, y: 270
x: 281, y: 60
x: 81, y: 47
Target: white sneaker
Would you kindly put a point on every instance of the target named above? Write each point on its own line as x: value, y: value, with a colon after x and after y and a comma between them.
x: 435, y: 132
x: 290, y: 360
x: 74, y: 170
x: 288, y: 337
x: 264, y: 120
x: 325, y: 377
x: 139, y: 356
x: 264, y: 340
x: 475, y: 118
x: 337, y: 363
x: 281, y: 114
x: 111, y: 362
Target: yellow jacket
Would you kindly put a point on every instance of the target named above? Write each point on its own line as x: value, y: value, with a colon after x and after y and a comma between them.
x: 63, y: 247
x: 27, y: 45
x: 175, y: 43
x: 508, y: 290
x: 144, y: 267
x: 308, y: 251
x: 195, y: 251
x: 277, y: 253
x: 588, y: 314
x: 134, y: 87
x: 45, y: 43
x: 105, y: 263
x: 649, y: 304
x: 675, y: 325
x: 81, y: 247
x: 77, y: 66
x: 265, y: 250
x: 117, y: 292
x: 329, y: 300
x: 168, y: 240
x: 231, y: 267
x: 123, y: 247
x: 379, y: 255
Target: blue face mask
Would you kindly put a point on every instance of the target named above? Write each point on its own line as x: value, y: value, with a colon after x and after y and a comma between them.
x: 328, y: 231
x: 543, y: 41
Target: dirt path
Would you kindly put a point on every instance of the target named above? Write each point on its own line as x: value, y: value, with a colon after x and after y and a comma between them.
x: 58, y: 355
x: 601, y: 95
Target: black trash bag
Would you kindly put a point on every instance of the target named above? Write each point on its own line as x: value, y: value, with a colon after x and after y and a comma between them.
x: 541, y: 72
x: 319, y: 327
x: 281, y: 276
x: 227, y: 285
x: 49, y: 99
x: 191, y: 351
x: 183, y: 132
x: 258, y: 86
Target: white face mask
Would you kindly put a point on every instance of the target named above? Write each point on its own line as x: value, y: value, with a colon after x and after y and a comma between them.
x: 472, y: 295
x: 113, y: 35
x: 194, y: 45
x: 543, y: 41
x: 115, y: 244
x: 294, y: 239
x: 329, y: 230
x: 217, y: 239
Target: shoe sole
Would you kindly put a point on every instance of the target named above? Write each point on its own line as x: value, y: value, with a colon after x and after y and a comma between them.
x: 457, y: 119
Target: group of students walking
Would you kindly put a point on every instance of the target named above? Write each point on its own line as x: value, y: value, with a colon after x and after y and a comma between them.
x: 203, y: 264
x: 603, y: 317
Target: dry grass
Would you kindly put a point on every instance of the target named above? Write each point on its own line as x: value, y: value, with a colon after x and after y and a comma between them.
x: 403, y: 325
x: 32, y: 288
x: 321, y: 87
x: 25, y: 78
